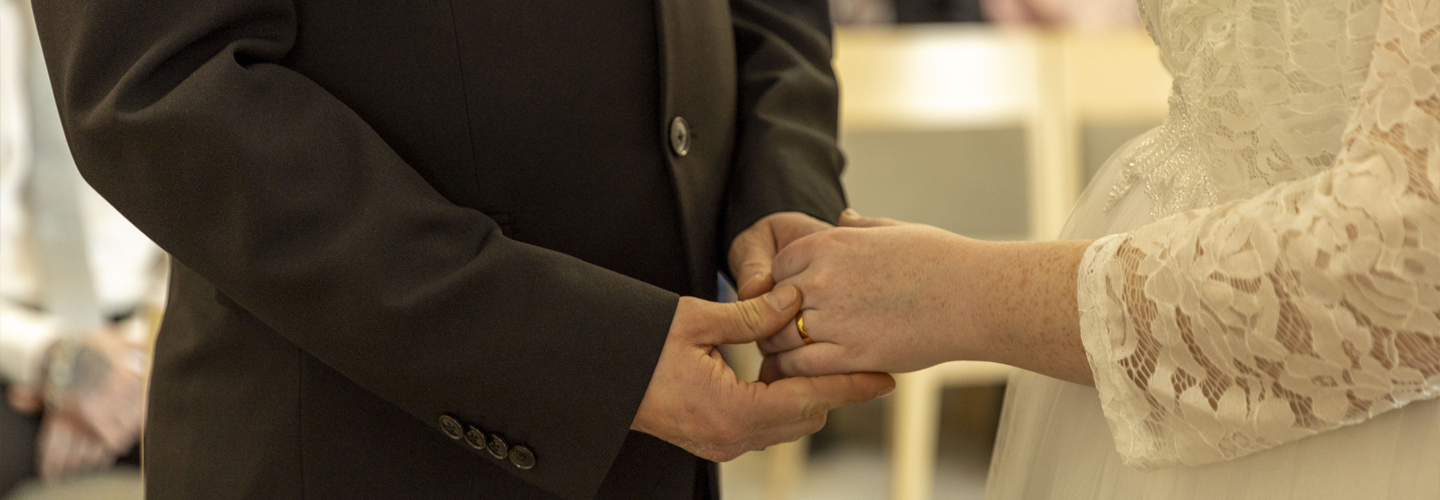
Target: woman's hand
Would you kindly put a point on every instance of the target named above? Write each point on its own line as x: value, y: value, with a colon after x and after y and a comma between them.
x: 885, y: 296
x: 878, y: 295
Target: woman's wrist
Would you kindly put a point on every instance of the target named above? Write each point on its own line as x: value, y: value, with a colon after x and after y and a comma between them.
x: 1023, y: 295
x: 970, y: 316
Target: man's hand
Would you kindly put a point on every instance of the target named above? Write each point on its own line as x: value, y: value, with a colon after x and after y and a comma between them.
x: 695, y: 401
x: 754, y: 249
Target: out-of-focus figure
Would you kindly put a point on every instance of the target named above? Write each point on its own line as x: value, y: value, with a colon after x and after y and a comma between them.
x: 80, y: 285
x: 1087, y: 15
x: 1076, y: 14
x: 862, y: 11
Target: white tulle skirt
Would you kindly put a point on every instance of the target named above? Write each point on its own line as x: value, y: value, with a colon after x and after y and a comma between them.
x: 1054, y: 442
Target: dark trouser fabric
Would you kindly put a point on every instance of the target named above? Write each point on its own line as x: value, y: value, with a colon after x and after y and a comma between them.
x: 17, y: 445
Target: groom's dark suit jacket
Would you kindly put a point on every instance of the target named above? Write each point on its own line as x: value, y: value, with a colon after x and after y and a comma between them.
x: 388, y: 214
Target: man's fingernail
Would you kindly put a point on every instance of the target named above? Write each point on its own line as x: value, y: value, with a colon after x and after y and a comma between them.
x: 850, y: 212
x: 886, y: 391
x: 782, y: 298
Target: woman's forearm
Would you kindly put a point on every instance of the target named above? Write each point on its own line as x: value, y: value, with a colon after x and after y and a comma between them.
x: 1025, y: 299
x: 881, y: 295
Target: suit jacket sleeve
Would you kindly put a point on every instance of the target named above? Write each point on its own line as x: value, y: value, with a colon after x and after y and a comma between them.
x: 786, y: 158
x: 181, y: 113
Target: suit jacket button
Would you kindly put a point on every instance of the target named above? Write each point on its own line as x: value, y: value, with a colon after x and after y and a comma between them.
x: 522, y: 457
x: 498, y: 447
x: 679, y: 136
x: 451, y: 427
x: 475, y: 438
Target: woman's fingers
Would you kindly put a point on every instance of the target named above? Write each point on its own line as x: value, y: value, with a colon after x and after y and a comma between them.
x: 789, y: 337
x: 814, y: 360
x: 796, y: 258
x: 770, y: 370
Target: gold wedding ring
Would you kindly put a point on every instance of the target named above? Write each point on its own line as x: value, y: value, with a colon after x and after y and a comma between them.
x: 800, y: 326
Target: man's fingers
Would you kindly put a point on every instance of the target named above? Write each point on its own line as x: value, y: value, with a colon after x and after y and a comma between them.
x: 753, y: 251
x: 786, y: 432
x: 751, y: 320
x: 750, y: 256
x: 757, y: 439
x: 791, y: 261
x: 789, y: 337
x: 759, y: 281
x: 851, y: 218
x: 806, y: 397
x: 788, y: 229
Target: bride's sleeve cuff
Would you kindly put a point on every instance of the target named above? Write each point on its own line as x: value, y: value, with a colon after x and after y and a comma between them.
x: 1107, y: 341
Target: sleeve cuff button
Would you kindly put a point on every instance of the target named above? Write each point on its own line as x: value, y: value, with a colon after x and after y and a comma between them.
x: 498, y: 447
x: 451, y: 427
x: 522, y: 458
x: 475, y: 438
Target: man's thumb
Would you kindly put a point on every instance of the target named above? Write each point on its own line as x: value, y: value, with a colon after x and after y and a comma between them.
x: 761, y: 316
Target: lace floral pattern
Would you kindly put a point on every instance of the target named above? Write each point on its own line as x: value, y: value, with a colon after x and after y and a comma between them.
x: 1302, y: 292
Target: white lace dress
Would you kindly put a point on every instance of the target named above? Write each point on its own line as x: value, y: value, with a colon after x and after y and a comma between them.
x: 1263, y: 318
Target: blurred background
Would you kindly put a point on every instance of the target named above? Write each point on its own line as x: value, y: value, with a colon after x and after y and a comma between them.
x: 982, y: 117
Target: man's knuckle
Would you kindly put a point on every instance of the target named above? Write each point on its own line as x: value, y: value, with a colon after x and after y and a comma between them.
x: 810, y: 366
x: 817, y: 423
x: 812, y: 408
x: 820, y: 280
x: 726, y: 432
x: 706, y: 434
x: 807, y: 245
x: 711, y: 455
x: 727, y: 455
x: 754, y: 266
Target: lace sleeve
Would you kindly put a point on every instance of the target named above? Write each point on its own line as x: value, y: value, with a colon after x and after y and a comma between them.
x: 1220, y: 332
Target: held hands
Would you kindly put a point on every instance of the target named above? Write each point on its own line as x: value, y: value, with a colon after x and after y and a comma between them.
x: 753, y: 250
x: 880, y: 295
x: 696, y: 402
x: 886, y: 296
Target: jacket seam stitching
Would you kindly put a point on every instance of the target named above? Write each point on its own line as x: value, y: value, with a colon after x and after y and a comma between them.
x: 300, y: 414
x: 464, y: 100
